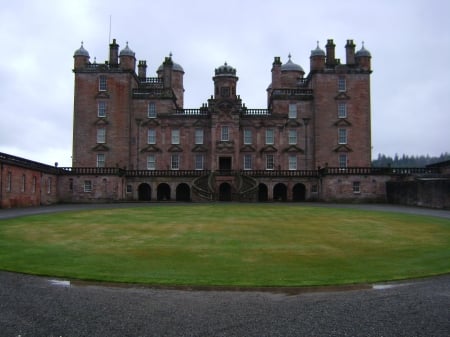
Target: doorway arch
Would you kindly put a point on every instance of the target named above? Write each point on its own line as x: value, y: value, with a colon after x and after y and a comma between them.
x: 299, y: 192
x: 163, y: 192
x: 263, y: 193
x: 183, y: 192
x: 144, y: 192
x: 225, y: 192
x: 280, y: 192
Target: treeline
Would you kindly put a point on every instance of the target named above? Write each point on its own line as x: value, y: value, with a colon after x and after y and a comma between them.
x: 408, y: 161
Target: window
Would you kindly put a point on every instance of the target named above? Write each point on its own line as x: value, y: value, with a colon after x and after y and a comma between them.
x: 198, y: 162
x: 175, y: 136
x: 247, y: 162
x: 22, y: 189
x: 314, y: 188
x: 269, y: 136
x: 342, y: 136
x: 151, y: 110
x: 225, y: 134
x: 101, y: 135
x: 292, y: 161
x: 151, y: 162
x: 49, y: 185
x: 175, y: 162
x: 87, y: 186
x: 129, y: 188
x: 102, y: 85
x: 101, y: 160
x: 151, y: 136
x: 33, y: 185
x: 356, y: 187
x: 9, y: 182
x: 342, y: 110
x: 343, y: 160
x: 292, y: 110
x: 269, y: 162
x: 198, y: 136
x: 225, y: 91
x: 342, y: 85
x: 292, y: 137
x: 247, y: 136
x: 101, y: 109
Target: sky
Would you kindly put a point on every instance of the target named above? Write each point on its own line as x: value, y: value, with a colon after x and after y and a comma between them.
x: 409, y: 41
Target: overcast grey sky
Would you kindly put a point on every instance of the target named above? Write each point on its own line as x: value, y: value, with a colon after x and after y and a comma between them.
x: 408, y: 39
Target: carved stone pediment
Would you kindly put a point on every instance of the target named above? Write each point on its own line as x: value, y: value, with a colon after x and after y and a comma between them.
x: 269, y: 148
x: 342, y: 122
x: 342, y: 96
x: 199, y: 148
x: 225, y: 146
x: 101, y: 121
x: 247, y: 148
x: 293, y: 148
x: 343, y: 148
x: 100, y: 148
x: 151, y: 148
x: 175, y: 148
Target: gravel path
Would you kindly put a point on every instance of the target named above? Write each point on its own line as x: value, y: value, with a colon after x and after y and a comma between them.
x: 32, y: 306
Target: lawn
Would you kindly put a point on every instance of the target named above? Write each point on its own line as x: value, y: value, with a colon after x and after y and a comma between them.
x: 227, y: 245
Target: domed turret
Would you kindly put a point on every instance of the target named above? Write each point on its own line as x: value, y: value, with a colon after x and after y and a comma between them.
x: 81, y: 57
x: 317, y: 51
x: 127, y: 59
x: 225, y: 70
x: 175, y: 66
x: 225, y: 81
x: 291, y: 66
x: 363, y: 52
x: 127, y: 52
x: 363, y: 57
x: 317, y: 59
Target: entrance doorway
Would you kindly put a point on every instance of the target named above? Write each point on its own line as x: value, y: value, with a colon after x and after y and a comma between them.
x: 225, y: 163
x: 144, y: 192
x: 163, y: 192
x: 263, y: 194
x: 225, y: 192
x: 183, y: 192
x: 280, y: 192
x: 299, y: 192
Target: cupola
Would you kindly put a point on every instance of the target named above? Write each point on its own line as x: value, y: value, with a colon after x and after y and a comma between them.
x: 127, y: 59
x: 291, y: 66
x: 81, y: 57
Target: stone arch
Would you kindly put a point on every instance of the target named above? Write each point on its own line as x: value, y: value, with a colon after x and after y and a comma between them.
x: 280, y: 192
x: 299, y: 192
x: 263, y: 192
x: 144, y: 192
x: 183, y: 192
x: 163, y: 192
x: 225, y: 192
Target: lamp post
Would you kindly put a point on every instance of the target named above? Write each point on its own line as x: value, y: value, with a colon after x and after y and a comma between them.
x: 306, y: 122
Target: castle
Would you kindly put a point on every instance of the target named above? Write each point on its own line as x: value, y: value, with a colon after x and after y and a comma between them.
x: 133, y: 139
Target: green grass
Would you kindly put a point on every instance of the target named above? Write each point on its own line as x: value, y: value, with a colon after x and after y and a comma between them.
x: 227, y: 244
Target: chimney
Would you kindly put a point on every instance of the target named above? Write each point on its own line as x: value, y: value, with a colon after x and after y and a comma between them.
x: 167, y: 72
x: 330, y: 53
x: 276, y: 72
x: 142, y: 69
x: 350, y: 52
x: 114, y: 54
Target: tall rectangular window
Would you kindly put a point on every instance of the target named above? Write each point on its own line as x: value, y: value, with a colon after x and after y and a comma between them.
x: 151, y: 162
x: 292, y: 137
x: 269, y: 136
x: 342, y: 136
x: 225, y: 134
x: 100, y: 160
x: 343, y: 160
x: 292, y: 162
x: 247, y: 161
x: 247, y: 136
x: 199, y: 158
x: 356, y: 187
x: 24, y: 179
x: 269, y: 162
x: 342, y: 84
x: 101, y: 109
x: 33, y: 185
x: 342, y: 110
x: 151, y: 110
x: 49, y: 185
x: 102, y: 84
x: 175, y: 162
x: 87, y: 186
x: 101, y: 135
x: 9, y: 182
x: 292, y: 111
x: 176, y: 136
x: 198, y: 136
x: 151, y: 136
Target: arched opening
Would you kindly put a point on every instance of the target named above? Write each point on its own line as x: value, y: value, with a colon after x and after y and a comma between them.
x: 280, y: 192
x: 183, y: 192
x: 263, y: 193
x: 299, y: 192
x: 163, y: 192
x: 225, y: 192
x: 144, y: 192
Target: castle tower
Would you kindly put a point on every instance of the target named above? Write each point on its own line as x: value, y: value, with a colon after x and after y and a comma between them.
x: 81, y: 57
x: 173, y: 74
x: 127, y: 59
x: 317, y: 59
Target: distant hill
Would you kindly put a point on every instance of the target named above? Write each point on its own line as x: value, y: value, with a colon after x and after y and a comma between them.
x: 408, y: 161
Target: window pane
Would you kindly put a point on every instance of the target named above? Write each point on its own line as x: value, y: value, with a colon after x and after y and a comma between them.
x: 101, y: 135
x: 292, y: 110
x: 247, y: 136
x: 292, y: 162
x: 151, y: 110
x: 199, y: 162
x: 102, y: 83
x: 225, y: 136
x: 151, y: 162
x: 100, y: 160
x: 342, y: 136
x: 175, y: 162
x: 356, y: 187
x: 342, y: 84
x: 101, y: 112
x: 247, y: 162
x: 342, y: 160
x: 269, y: 136
x: 175, y: 136
x: 87, y: 186
x: 151, y: 136
x: 198, y: 136
x: 292, y: 137
x: 342, y: 110
x: 269, y: 162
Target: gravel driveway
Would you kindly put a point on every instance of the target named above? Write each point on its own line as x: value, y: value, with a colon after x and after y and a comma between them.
x: 32, y: 306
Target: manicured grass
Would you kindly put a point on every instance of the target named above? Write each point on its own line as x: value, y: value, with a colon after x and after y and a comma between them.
x: 227, y: 244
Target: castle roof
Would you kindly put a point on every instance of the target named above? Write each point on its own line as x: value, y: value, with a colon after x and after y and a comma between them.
x: 225, y: 70
x: 127, y: 51
x: 175, y: 66
x: 291, y: 66
x: 81, y: 51
x: 317, y: 51
x: 363, y: 52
